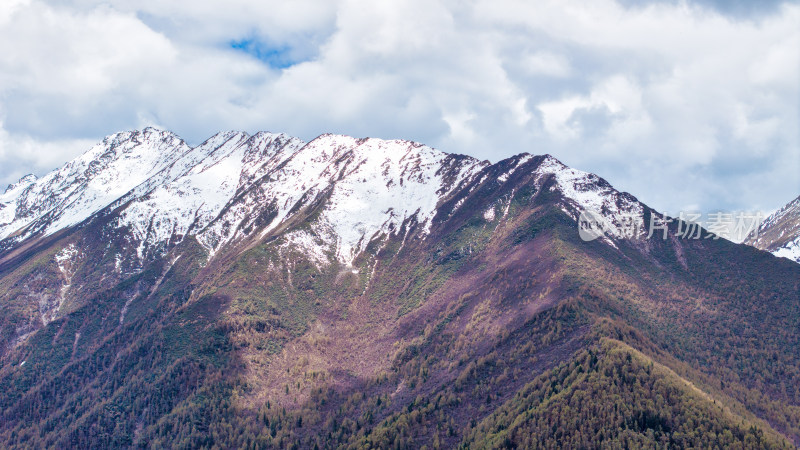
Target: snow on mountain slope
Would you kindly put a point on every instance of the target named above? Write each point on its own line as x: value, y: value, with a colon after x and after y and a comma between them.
x: 329, y: 198
x: 191, y: 199
x: 195, y: 198
x: 790, y: 250
x: 8, y: 200
x: 377, y: 186
x: 780, y: 232
x: 367, y: 187
x: 623, y: 214
x: 259, y: 158
x: 89, y: 183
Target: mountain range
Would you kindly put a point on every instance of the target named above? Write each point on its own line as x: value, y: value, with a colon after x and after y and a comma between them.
x: 260, y: 291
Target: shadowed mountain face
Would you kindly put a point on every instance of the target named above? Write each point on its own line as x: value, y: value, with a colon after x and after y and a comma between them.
x: 262, y: 291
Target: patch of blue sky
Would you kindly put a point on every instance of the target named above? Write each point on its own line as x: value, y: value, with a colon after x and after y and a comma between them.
x: 277, y: 57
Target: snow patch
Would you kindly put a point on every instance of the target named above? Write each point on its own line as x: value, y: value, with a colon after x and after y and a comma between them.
x: 790, y: 250
x: 488, y: 215
x: 66, y: 260
x: 118, y: 263
x: 64, y: 256
x: 313, y: 247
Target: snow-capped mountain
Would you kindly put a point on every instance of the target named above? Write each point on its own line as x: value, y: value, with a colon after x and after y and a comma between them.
x: 87, y: 184
x: 138, y: 196
x: 185, y: 201
x: 234, y: 186
x: 779, y: 233
x: 261, y: 291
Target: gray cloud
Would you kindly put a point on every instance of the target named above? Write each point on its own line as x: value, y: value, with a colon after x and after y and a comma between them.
x: 738, y: 9
x: 686, y: 105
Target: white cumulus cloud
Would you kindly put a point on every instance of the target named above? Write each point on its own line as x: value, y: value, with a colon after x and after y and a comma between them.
x: 681, y: 103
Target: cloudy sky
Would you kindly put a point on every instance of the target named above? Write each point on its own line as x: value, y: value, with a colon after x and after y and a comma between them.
x: 685, y: 104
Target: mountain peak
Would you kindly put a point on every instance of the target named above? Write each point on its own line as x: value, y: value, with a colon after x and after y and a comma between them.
x: 21, y: 183
x: 90, y: 182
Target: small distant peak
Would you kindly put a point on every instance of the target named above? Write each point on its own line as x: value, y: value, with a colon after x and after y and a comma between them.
x: 330, y: 138
x: 115, y: 137
x: 552, y: 162
x: 794, y: 204
x: 550, y: 158
x: 344, y: 138
x: 235, y: 133
x: 521, y: 158
x: 153, y: 129
x: 268, y: 138
x: 25, y: 181
x: 265, y: 134
x: 123, y: 136
x: 157, y: 134
x: 334, y: 136
x: 261, y: 138
x: 222, y: 137
x: 230, y: 134
x: 29, y: 178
